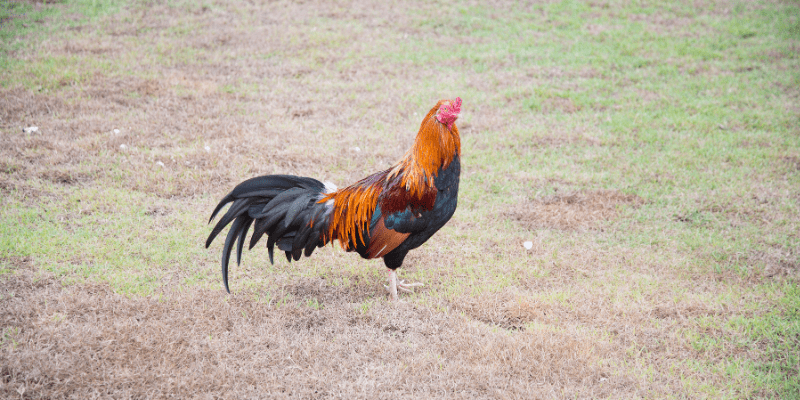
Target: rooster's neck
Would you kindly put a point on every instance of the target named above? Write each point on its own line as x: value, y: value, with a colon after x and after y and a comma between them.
x: 435, y: 145
x: 434, y: 148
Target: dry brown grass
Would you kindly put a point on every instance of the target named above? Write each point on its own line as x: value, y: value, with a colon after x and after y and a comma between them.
x: 572, y: 210
x: 86, y: 341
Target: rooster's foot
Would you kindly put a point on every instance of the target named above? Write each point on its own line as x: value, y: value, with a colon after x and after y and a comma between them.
x: 394, y: 284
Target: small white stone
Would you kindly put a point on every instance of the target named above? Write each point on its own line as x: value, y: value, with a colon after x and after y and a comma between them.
x: 159, y: 163
x: 356, y: 149
x: 122, y: 147
x: 528, y: 245
x: 116, y: 131
x: 208, y: 148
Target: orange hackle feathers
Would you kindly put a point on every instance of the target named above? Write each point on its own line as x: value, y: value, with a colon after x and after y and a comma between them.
x: 410, y: 183
x: 352, y: 209
x: 434, y: 148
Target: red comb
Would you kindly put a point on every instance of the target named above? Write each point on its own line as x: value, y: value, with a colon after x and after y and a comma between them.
x: 457, y: 105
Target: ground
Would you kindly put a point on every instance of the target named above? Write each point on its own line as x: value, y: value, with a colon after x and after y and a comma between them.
x: 649, y: 152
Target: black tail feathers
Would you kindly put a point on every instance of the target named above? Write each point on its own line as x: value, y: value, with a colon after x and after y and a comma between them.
x: 284, y: 207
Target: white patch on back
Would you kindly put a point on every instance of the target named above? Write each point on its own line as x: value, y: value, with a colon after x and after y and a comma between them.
x: 329, y: 188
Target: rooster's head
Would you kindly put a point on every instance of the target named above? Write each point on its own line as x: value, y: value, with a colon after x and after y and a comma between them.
x: 448, y: 112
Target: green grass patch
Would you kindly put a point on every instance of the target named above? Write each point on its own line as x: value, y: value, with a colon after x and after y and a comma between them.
x: 778, y: 331
x: 23, y: 26
x: 108, y: 243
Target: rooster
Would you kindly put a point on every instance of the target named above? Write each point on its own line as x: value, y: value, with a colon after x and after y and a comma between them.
x: 384, y: 215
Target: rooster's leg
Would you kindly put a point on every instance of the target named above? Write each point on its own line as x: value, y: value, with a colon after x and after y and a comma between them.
x: 394, y: 284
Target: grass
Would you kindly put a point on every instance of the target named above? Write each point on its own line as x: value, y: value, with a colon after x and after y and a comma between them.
x: 649, y: 151
x: 24, y: 25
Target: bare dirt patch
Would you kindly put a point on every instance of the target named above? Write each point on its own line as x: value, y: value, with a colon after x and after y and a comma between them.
x: 509, y: 309
x: 777, y: 262
x: 793, y: 162
x: 571, y: 211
